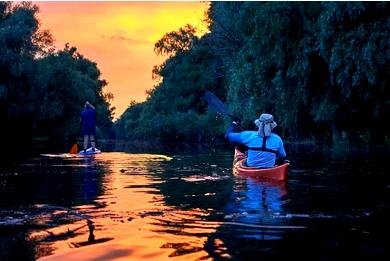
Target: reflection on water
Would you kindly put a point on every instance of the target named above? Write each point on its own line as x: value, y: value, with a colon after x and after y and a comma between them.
x: 116, y: 206
x: 259, y: 202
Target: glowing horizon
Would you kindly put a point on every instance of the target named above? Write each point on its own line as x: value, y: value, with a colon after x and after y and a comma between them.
x: 119, y: 37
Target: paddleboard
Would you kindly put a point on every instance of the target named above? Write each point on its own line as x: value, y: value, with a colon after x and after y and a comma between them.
x: 62, y: 155
x: 89, y: 151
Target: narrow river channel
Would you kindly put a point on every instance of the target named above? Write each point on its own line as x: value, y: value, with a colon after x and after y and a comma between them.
x: 190, y: 206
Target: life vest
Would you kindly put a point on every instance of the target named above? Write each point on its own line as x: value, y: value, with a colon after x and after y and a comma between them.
x: 263, y: 147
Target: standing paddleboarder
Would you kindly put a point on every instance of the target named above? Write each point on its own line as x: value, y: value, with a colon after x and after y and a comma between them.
x: 88, y: 125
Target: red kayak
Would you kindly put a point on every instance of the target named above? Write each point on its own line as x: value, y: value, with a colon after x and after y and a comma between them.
x: 276, y: 173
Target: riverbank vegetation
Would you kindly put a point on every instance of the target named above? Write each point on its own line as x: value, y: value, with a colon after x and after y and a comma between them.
x: 321, y: 68
x: 42, y: 90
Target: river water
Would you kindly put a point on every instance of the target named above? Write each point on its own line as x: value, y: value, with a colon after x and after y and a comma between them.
x: 190, y: 206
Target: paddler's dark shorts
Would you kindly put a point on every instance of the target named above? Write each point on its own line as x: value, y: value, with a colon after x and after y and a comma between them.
x: 88, y: 130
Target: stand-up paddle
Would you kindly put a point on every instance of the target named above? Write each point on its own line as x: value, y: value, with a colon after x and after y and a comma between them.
x: 74, y: 149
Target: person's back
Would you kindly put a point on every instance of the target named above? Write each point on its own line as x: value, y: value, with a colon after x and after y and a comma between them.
x: 88, y: 116
x: 88, y: 128
x: 264, y: 147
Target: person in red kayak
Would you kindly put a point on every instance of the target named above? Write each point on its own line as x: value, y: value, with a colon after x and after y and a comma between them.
x: 264, y: 146
x: 88, y: 127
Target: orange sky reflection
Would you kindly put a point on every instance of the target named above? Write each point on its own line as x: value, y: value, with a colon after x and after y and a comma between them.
x: 135, y: 236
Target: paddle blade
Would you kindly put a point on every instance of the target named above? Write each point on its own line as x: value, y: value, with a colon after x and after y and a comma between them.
x: 215, y: 103
x: 74, y: 149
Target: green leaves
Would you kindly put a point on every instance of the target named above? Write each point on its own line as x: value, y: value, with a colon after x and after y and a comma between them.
x: 42, y: 91
x: 176, y: 42
x: 319, y: 67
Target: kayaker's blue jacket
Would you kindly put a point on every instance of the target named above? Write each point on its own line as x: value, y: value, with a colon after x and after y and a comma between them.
x: 252, y: 139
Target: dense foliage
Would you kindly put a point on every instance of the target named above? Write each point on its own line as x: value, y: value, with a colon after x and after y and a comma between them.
x: 322, y: 69
x: 174, y: 110
x: 42, y: 91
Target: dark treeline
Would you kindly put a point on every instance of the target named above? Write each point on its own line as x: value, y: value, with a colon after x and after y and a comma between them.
x: 322, y: 69
x: 42, y: 91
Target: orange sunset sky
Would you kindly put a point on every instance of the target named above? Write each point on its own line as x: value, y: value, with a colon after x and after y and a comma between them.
x: 119, y: 37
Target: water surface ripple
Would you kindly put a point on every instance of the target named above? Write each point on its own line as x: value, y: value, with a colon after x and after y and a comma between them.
x: 122, y: 206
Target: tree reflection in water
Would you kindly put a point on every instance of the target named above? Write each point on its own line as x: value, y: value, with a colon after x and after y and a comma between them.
x: 190, y: 207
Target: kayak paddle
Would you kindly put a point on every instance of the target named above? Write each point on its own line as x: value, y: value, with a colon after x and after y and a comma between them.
x: 216, y: 104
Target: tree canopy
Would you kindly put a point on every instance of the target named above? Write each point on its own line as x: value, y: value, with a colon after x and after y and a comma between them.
x: 321, y: 68
x: 42, y: 90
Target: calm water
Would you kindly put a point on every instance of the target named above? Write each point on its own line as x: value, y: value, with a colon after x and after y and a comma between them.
x: 123, y: 206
